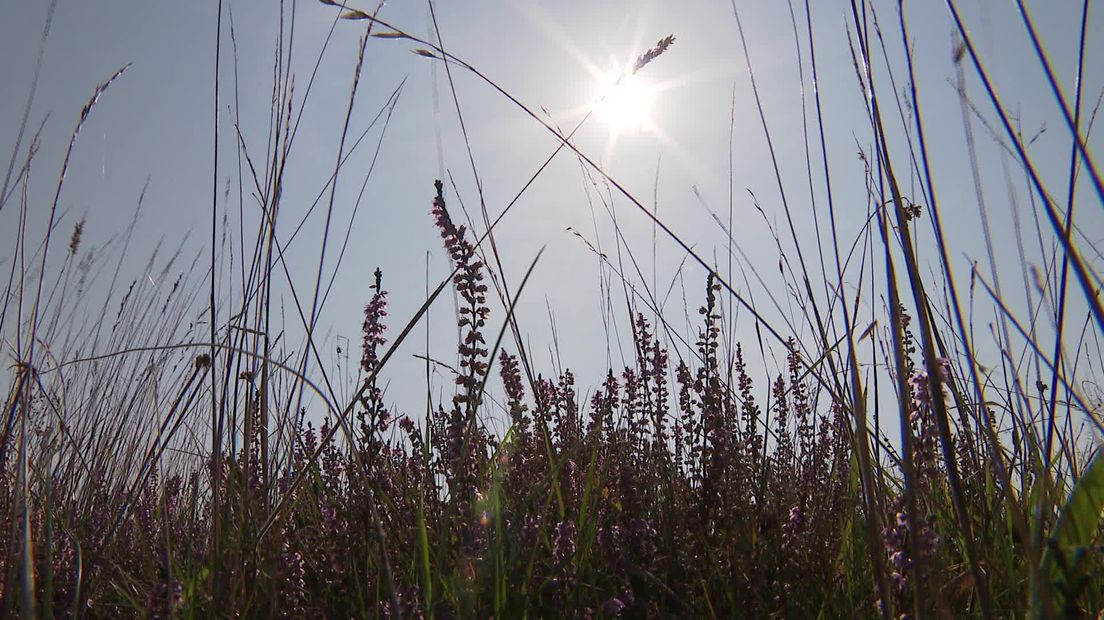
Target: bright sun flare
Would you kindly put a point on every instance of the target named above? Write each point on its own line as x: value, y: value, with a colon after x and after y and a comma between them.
x: 625, y: 104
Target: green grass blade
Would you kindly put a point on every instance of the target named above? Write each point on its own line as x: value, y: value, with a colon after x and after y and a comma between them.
x: 1077, y: 528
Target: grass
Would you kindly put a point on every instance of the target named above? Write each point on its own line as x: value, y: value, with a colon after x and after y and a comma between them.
x: 164, y: 454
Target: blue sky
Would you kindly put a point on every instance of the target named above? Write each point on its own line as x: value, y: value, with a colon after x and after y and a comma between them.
x: 156, y: 123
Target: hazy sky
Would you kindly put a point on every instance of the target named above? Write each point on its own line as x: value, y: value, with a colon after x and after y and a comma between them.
x: 156, y: 123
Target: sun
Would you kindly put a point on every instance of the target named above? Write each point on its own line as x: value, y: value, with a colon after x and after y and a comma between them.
x: 625, y: 102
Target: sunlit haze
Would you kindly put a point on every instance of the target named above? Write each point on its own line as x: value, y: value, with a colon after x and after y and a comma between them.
x: 625, y: 102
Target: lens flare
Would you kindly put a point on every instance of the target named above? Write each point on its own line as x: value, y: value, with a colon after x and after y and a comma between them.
x: 625, y: 103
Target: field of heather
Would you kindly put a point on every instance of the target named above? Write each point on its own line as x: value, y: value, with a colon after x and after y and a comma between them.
x: 336, y: 310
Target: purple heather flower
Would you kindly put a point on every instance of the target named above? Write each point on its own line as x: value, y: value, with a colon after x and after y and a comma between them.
x: 613, y: 606
x: 642, y: 536
x: 373, y: 328
x: 900, y: 581
x: 165, y: 599
x: 406, y: 424
x: 609, y: 542
x: 532, y: 525
x: 564, y: 543
x: 796, y: 518
x: 921, y: 397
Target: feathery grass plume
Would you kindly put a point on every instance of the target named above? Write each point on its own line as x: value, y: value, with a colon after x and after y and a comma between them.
x: 653, y: 53
x: 75, y: 238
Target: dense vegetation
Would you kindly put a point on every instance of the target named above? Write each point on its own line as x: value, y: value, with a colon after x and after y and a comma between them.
x: 150, y: 469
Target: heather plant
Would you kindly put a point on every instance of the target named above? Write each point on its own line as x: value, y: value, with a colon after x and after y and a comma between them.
x: 165, y: 453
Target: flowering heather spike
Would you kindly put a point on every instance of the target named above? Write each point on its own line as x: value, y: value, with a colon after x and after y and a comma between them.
x: 900, y: 557
x: 515, y: 389
x: 653, y: 53
x: 441, y: 215
x: 292, y: 583
x: 473, y: 315
x: 462, y: 445
x: 373, y: 328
